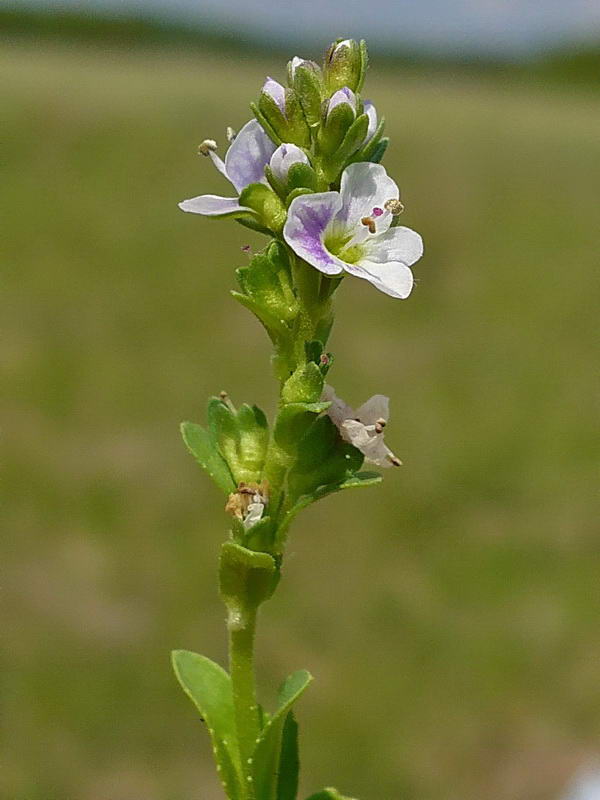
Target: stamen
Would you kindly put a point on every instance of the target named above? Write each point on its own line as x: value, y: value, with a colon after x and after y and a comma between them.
x: 380, y: 425
x: 377, y: 212
x: 395, y: 461
x: 369, y: 223
x: 231, y: 134
x: 206, y: 146
x: 394, y: 206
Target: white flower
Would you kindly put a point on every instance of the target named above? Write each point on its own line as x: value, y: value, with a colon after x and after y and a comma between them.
x: 350, y: 230
x: 254, y: 512
x: 364, y: 427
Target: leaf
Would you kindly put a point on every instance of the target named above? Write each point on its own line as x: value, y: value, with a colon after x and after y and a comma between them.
x: 292, y: 422
x: 266, y: 758
x: 246, y: 577
x: 329, y: 794
x: 275, y: 327
x: 305, y: 385
x: 289, y: 762
x: 209, y: 687
x: 323, y: 457
x: 265, y: 203
x: 204, y: 449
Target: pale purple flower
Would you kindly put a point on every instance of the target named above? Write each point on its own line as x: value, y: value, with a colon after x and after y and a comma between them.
x: 344, y: 95
x: 349, y: 231
x: 244, y: 164
x: 283, y: 158
x: 364, y: 427
x: 276, y: 92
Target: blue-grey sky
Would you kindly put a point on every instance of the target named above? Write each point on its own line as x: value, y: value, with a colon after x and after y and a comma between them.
x: 500, y: 26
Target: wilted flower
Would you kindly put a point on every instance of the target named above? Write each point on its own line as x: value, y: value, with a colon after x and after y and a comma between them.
x: 248, y: 503
x: 364, y: 427
x: 350, y: 230
x: 244, y: 164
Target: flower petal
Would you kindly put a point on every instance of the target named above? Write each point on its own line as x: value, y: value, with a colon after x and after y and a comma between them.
x: 338, y: 412
x: 309, y: 217
x: 248, y: 156
x: 365, y: 186
x: 212, y: 206
x: 376, y: 408
x: 276, y: 91
x: 393, y: 277
x: 371, y: 112
x: 344, y: 95
x: 373, y: 448
x: 396, y: 244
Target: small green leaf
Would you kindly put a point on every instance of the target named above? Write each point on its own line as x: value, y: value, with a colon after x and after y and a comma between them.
x: 268, y: 750
x: 301, y: 176
x: 323, y: 457
x: 275, y: 327
x: 292, y: 422
x: 304, y: 386
x: 209, y: 687
x: 329, y: 794
x: 265, y: 203
x: 246, y: 577
x: 289, y: 762
x: 204, y: 449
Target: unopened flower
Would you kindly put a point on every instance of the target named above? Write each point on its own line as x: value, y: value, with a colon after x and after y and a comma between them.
x: 248, y: 503
x: 283, y: 158
x: 364, y: 427
x: 276, y: 92
x: 344, y: 95
x: 244, y: 164
x: 349, y: 231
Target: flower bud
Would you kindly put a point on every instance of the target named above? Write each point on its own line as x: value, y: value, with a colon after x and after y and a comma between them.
x: 344, y: 95
x: 345, y: 65
x: 283, y: 158
x: 280, y: 113
x: 307, y: 80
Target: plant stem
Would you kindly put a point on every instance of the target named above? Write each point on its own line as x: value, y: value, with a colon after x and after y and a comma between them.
x: 243, y: 684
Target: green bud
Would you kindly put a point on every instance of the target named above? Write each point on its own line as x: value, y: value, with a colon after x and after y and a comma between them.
x: 345, y: 65
x: 242, y: 437
x: 305, y: 385
x: 265, y: 203
x: 280, y: 113
x: 309, y: 87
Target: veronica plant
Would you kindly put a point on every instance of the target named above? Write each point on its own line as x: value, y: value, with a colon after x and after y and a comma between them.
x: 306, y: 173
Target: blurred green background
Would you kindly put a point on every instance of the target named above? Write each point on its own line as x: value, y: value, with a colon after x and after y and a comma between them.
x: 451, y: 618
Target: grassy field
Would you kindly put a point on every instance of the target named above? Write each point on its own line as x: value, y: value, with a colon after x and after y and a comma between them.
x: 451, y: 618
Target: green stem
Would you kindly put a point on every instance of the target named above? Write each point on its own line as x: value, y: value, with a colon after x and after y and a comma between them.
x: 243, y: 684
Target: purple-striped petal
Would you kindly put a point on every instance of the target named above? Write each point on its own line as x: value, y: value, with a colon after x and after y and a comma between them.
x: 309, y: 217
x: 365, y: 186
x: 210, y: 205
x: 248, y: 156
